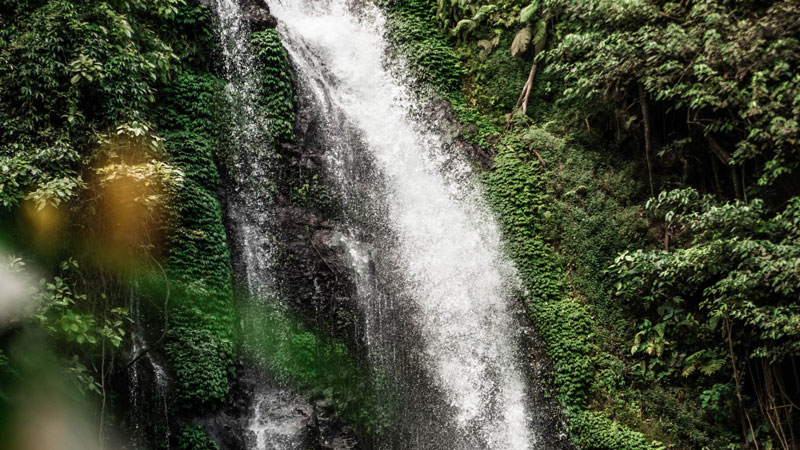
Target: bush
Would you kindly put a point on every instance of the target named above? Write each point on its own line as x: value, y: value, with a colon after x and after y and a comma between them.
x: 194, y: 437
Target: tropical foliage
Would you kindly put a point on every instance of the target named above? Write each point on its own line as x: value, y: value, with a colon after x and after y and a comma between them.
x: 99, y: 144
x: 720, y: 305
x: 697, y: 285
x: 645, y: 161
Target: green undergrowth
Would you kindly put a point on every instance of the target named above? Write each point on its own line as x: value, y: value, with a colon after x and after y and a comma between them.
x: 202, y: 332
x: 111, y: 120
x: 277, y: 101
x: 518, y: 190
x: 595, y: 199
x: 565, y: 218
x: 194, y: 437
x: 200, y: 347
x: 277, y: 97
x: 200, y: 344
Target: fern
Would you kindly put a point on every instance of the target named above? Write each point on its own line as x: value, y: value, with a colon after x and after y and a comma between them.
x: 521, y: 41
x: 527, y: 12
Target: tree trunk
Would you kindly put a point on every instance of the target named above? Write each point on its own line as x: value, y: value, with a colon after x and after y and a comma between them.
x: 717, y: 183
x: 522, y: 101
x: 727, y: 160
x: 648, y: 138
x: 736, y: 378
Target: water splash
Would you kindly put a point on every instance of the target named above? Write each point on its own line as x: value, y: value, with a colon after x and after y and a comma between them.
x: 146, y: 365
x: 437, y: 271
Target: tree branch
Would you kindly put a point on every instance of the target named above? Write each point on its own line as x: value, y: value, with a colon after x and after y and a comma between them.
x: 648, y: 138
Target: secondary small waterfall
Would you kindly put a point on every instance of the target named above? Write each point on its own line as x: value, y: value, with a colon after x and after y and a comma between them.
x: 249, y: 203
x: 435, y: 289
x: 147, y: 379
x: 250, y: 208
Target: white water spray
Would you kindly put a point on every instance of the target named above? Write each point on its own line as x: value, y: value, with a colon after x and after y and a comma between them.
x: 458, y: 280
x: 138, y: 377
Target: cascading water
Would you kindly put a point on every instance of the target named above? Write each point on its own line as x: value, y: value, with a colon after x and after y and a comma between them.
x: 144, y: 374
x: 274, y: 420
x: 249, y: 203
x: 434, y: 286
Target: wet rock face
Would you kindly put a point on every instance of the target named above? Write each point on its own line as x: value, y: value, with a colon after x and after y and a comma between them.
x: 438, y: 112
x: 312, y: 271
x: 261, y: 414
x: 282, y: 417
x: 257, y: 14
x: 312, y: 280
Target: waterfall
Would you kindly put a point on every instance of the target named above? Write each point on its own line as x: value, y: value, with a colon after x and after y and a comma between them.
x: 434, y: 286
x: 251, y: 161
x: 273, y: 421
x: 143, y: 375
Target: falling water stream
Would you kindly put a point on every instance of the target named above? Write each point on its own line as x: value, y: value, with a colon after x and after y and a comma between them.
x: 273, y: 423
x: 455, y: 287
x: 434, y: 288
x: 249, y: 203
x: 146, y: 372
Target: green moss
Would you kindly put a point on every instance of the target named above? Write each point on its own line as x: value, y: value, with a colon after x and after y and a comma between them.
x: 593, y: 431
x: 312, y: 193
x: 202, y: 326
x: 416, y: 38
x: 517, y: 192
x: 201, y: 360
x: 278, y: 97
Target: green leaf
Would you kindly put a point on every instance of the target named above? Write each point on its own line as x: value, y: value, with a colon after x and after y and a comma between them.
x: 521, y: 41
x: 540, y: 32
x: 526, y: 14
x: 712, y: 366
x: 464, y: 26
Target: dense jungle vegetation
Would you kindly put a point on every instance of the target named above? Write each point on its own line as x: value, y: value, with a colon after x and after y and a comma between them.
x: 653, y: 147
x: 645, y: 175
x: 112, y: 121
